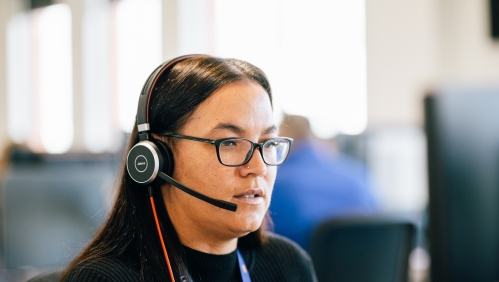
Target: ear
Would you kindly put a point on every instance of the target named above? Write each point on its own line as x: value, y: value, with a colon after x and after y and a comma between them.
x: 165, y: 140
x: 157, y: 137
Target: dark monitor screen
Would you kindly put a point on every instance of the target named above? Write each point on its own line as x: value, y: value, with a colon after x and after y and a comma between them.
x: 494, y: 18
x: 463, y: 160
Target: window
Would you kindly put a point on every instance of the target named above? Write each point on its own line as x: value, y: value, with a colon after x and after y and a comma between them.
x: 55, y: 77
x: 139, y: 52
x: 19, y: 78
x: 99, y: 133
x: 40, y: 80
x: 313, y: 52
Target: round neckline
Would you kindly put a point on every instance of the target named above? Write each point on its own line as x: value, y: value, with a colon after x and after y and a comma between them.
x: 212, y: 267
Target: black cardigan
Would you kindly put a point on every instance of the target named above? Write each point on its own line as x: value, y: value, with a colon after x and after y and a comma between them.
x: 278, y: 260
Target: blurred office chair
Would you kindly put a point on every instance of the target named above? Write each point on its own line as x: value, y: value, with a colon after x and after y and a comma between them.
x: 363, y: 249
x: 50, y: 209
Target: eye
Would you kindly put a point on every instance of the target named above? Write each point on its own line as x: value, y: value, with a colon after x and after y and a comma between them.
x: 272, y: 143
x: 228, y: 144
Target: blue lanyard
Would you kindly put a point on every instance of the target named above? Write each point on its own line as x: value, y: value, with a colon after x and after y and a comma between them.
x: 242, y: 268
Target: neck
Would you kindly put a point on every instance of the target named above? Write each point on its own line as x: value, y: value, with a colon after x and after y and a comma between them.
x: 196, y: 237
x: 202, y: 242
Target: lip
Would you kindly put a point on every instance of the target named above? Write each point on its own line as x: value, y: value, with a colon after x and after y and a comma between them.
x: 250, y: 196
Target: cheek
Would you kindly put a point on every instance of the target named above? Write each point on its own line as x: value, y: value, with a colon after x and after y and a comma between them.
x: 269, y: 181
x: 201, y: 169
x: 190, y: 159
x: 270, y: 177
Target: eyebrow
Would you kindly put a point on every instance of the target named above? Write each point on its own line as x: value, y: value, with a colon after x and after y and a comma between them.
x: 270, y: 129
x: 238, y: 130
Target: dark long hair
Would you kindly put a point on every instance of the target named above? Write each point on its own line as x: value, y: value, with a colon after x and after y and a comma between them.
x: 129, y: 233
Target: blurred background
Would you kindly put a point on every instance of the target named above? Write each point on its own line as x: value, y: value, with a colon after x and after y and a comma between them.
x: 358, y: 70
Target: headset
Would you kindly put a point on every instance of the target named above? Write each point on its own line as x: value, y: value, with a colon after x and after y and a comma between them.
x: 149, y: 156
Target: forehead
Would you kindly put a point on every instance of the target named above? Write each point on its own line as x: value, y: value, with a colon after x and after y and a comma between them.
x: 244, y: 104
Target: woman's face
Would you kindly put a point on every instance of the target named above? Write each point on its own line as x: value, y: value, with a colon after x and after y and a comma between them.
x: 240, y: 109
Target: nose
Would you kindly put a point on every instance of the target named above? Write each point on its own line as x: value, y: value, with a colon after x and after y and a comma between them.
x: 256, y: 165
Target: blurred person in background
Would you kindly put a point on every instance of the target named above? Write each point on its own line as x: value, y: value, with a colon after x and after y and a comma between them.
x: 211, y: 119
x: 316, y: 183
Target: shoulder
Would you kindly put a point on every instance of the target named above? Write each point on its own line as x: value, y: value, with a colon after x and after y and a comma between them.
x: 281, y: 260
x: 103, y: 270
x: 281, y: 246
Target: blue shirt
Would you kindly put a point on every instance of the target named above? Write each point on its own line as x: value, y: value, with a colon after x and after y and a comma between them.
x: 314, y: 184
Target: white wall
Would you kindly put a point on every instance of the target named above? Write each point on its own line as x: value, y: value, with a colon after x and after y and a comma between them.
x: 401, y: 59
x: 416, y: 46
x: 467, y: 52
x: 402, y: 63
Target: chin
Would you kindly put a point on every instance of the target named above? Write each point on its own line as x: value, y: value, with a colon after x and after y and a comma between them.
x: 250, y: 223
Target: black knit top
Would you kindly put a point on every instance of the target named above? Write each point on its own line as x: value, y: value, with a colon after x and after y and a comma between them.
x: 278, y: 260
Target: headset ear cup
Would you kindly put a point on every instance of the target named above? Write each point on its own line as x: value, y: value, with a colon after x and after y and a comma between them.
x: 144, y: 161
x: 167, y: 154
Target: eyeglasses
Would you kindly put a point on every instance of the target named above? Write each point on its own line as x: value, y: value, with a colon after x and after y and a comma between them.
x: 238, y: 151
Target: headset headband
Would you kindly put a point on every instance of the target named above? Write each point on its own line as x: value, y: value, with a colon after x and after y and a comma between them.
x: 145, y: 95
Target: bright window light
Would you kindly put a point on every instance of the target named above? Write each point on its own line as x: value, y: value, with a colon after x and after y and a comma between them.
x: 139, y: 52
x: 98, y: 130
x: 313, y: 52
x: 19, y: 78
x: 194, y: 28
x: 55, y: 77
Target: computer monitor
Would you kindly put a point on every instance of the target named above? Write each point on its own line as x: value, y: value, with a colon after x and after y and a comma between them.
x: 463, y: 159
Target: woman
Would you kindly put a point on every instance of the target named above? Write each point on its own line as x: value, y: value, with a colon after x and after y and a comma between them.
x: 192, y: 101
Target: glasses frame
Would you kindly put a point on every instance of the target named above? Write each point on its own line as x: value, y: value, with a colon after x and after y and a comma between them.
x: 217, y: 143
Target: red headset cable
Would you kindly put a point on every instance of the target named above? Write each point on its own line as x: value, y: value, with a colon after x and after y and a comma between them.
x: 160, y: 235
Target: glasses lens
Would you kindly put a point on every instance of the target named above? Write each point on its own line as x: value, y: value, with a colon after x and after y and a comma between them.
x: 234, y: 151
x: 276, y: 150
